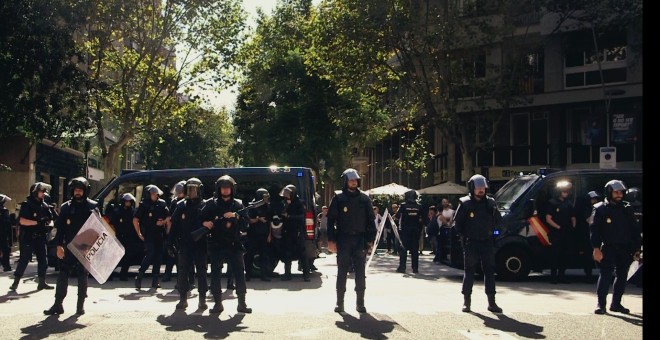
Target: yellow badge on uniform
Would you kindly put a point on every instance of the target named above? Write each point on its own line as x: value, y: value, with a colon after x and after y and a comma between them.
x: 149, y: 214
x: 345, y: 209
x: 183, y: 216
x: 228, y: 225
x: 471, y: 214
x: 557, y: 209
x: 608, y: 220
x: 121, y: 220
x: 216, y: 217
x: 68, y: 221
x: 35, y: 214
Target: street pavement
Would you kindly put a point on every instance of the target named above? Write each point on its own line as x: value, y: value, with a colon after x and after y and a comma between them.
x: 400, y: 306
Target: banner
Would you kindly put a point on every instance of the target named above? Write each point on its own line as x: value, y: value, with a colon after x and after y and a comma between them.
x: 624, y: 128
x: 97, y: 248
x: 379, y: 231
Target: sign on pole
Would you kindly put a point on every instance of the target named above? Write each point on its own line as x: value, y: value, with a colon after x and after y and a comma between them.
x: 608, y: 157
x: 97, y: 248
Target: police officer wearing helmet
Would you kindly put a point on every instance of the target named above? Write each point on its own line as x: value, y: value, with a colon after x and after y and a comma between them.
x: 187, y: 218
x: 5, y: 233
x: 150, y: 218
x: 259, y: 236
x: 560, y: 216
x: 474, y: 220
x: 73, y: 215
x: 34, y: 217
x: 411, y: 227
x: 293, y: 232
x: 616, y: 242
x: 122, y: 222
x: 351, y: 232
x: 224, y: 240
x: 177, y: 196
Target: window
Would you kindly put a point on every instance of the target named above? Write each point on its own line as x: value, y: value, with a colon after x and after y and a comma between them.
x: 581, y: 60
x: 520, y: 139
x: 470, y: 69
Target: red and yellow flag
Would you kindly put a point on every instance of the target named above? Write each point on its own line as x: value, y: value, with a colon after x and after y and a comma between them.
x: 540, y: 229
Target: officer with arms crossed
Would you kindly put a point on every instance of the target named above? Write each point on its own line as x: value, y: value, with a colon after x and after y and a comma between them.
x: 616, y: 242
x: 476, y: 216
x: 351, y: 231
x: 151, y: 216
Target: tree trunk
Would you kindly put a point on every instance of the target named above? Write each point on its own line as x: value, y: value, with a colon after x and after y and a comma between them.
x: 112, y: 156
x: 468, y: 164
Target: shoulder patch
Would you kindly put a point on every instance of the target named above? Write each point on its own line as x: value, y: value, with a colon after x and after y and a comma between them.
x: 464, y: 199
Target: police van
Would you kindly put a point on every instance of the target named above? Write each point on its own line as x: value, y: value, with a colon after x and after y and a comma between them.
x: 521, y: 240
x: 248, y: 180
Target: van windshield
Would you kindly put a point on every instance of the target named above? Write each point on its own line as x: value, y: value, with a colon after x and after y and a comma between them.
x: 513, y: 189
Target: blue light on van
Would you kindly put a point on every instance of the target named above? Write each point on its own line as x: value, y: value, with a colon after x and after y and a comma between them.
x: 496, y: 232
x: 300, y: 174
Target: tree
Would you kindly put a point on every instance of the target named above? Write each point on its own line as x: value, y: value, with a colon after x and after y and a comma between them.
x: 42, y: 90
x: 200, y: 139
x: 141, y: 55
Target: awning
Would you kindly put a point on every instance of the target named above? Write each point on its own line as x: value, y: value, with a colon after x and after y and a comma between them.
x: 446, y: 188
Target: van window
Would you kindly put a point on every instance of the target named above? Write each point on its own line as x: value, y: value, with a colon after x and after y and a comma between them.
x: 513, y: 189
x: 549, y: 191
x: 131, y: 187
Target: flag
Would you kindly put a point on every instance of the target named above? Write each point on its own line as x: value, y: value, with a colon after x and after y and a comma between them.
x: 97, y: 248
x: 540, y: 229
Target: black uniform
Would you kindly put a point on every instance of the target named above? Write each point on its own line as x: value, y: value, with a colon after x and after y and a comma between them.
x: 258, y: 241
x: 32, y: 239
x: 351, y: 226
x: 122, y: 220
x: 615, y: 232
x: 474, y: 222
x: 562, y: 240
x: 293, y: 238
x: 187, y: 217
x: 148, y: 214
x: 5, y: 237
x: 411, y: 227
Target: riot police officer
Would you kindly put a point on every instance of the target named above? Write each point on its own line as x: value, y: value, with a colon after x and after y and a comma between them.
x: 34, y: 217
x: 560, y: 216
x: 475, y: 218
x: 187, y: 218
x: 5, y: 233
x: 351, y: 231
x: 411, y: 227
x: 259, y: 236
x: 150, y: 217
x: 177, y: 196
x: 616, y: 243
x: 122, y: 221
x: 293, y: 232
x: 73, y: 215
x: 224, y: 240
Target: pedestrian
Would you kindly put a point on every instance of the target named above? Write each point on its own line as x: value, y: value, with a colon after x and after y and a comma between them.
x: 616, y: 242
x: 73, y: 215
x: 5, y: 233
x: 293, y: 232
x: 476, y: 216
x: 220, y: 215
x: 33, y: 218
x: 122, y: 222
x: 411, y: 225
x: 187, y: 218
x: 259, y: 236
x: 351, y: 231
x: 432, y: 229
x: 170, y: 261
x: 150, y: 218
x: 377, y: 221
x: 390, y: 238
x: 446, y: 220
x: 560, y: 215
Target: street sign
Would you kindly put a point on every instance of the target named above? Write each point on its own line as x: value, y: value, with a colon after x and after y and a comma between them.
x: 608, y: 157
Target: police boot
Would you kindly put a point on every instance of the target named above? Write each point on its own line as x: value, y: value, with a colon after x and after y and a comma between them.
x: 492, y: 306
x: 202, y: 301
x: 287, y: 272
x: 359, y: 304
x: 56, y: 308
x: 14, y: 285
x: 602, y: 302
x: 42, y: 283
x: 467, y: 303
x: 217, y: 308
x: 339, y: 308
x: 183, y: 301
x: 616, y: 305
x: 80, y: 306
x: 138, y: 280
x: 242, y: 307
x: 155, y: 282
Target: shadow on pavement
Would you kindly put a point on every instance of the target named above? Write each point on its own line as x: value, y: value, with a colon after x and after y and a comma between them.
x: 210, y: 325
x: 12, y: 295
x: 51, y: 326
x: 507, y: 324
x: 631, y: 318
x: 367, y: 326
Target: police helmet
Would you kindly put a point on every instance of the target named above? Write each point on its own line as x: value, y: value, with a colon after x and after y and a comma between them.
x: 261, y: 194
x: 127, y: 197
x: 193, y: 184
x: 614, y: 185
x: 563, y: 186
x: 178, y: 188
x: 349, y: 174
x: 289, y: 191
x: 153, y: 189
x: 225, y: 181
x: 38, y: 187
x: 593, y: 195
x: 4, y: 199
x: 633, y: 195
x: 79, y: 183
x: 411, y: 196
x: 477, y: 181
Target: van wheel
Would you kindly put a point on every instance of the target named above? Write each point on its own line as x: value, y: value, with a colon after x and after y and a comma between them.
x: 512, y: 264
